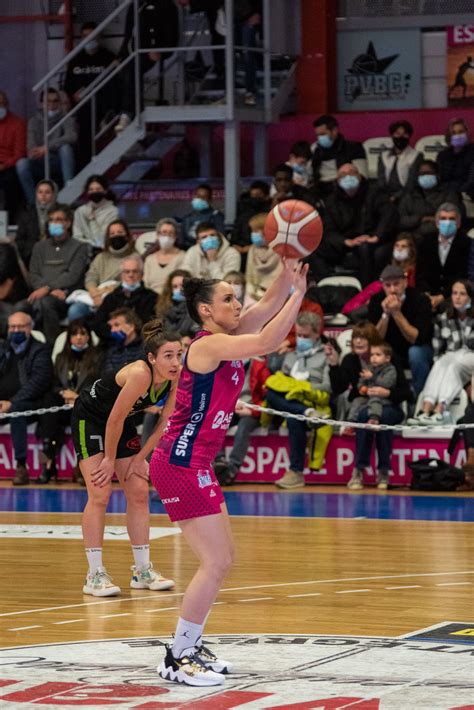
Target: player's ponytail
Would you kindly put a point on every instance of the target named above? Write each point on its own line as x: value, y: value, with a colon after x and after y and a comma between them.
x: 198, y: 291
x: 154, y: 336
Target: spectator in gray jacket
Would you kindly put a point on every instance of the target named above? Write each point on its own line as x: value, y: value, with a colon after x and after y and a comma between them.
x: 57, y: 268
x: 60, y: 146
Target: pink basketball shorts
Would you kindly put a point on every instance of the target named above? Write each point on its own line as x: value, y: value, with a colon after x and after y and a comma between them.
x: 186, y: 492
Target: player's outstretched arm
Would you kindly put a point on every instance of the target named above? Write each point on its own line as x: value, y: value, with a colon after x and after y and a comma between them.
x: 253, y: 320
x: 206, y: 354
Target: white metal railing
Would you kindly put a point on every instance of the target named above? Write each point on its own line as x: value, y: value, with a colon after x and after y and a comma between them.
x: 229, y: 47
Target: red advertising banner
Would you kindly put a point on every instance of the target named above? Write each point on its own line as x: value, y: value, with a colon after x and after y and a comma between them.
x: 460, y: 65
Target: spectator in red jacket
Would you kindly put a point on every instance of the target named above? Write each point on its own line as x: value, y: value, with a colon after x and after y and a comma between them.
x: 12, y: 148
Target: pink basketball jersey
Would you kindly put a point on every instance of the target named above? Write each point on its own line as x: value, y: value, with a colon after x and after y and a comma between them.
x: 204, y: 407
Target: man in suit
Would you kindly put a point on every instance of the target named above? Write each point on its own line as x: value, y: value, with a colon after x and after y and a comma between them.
x: 443, y: 257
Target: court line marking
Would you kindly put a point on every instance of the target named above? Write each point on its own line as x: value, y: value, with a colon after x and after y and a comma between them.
x: 70, y: 621
x: 311, y: 594
x: 166, y: 608
x: 247, y: 588
x: 257, y: 599
x: 353, y: 591
x: 409, y: 586
x: 451, y: 584
x: 110, y: 616
x: 25, y: 628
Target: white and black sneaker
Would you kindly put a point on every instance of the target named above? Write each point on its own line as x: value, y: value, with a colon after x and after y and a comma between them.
x: 188, y: 670
x: 210, y: 660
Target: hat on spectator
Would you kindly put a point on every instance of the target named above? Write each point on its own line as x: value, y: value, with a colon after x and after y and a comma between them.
x: 392, y: 273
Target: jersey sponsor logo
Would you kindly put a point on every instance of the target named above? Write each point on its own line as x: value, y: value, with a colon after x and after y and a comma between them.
x: 212, y: 493
x: 167, y: 501
x: 204, y: 479
x: 182, y: 448
x: 92, y: 390
x: 236, y: 363
x: 222, y: 420
x: 133, y: 443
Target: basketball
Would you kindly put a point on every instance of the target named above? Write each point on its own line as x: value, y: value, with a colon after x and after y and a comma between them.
x: 293, y: 229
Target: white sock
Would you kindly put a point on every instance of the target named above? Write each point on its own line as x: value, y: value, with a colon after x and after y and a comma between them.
x: 141, y: 555
x: 186, y: 637
x: 94, y: 558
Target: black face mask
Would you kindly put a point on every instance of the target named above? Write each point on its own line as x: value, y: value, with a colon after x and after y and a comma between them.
x: 97, y: 196
x: 118, y: 243
x: 401, y: 142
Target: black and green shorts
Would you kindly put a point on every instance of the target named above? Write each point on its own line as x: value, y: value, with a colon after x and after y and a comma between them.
x: 88, y: 436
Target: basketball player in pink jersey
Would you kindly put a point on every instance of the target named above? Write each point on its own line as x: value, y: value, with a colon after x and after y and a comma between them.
x: 181, y: 467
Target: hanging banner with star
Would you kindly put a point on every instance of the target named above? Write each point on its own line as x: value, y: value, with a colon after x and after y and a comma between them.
x: 379, y: 70
x: 460, y: 65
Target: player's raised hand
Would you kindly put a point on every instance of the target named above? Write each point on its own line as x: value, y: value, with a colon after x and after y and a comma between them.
x: 300, y: 277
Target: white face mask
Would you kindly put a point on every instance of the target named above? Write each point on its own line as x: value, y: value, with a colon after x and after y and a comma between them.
x: 165, y: 241
x: 238, y: 291
x: 401, y: 254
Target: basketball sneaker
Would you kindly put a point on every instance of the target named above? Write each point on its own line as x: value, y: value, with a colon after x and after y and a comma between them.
x: 355, y: 483
x: 189, y: 670
x: 382, y: 480
x: 146, y: 578
x: 99, y: 584
x: 211, y: 661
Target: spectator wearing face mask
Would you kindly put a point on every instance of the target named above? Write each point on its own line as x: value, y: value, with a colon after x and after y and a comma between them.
x: 359, y: 223
x: 12, y: 149
x: 332, y: 150
x: 444, y: 257
x: 398, y: 167
x: 171, y: 309
x: 256, y: 201
x: 163, y: 257
x: 456, y: 162
x: 82, y: 70
x: 418, y: 206
x: 212, y: 256
x: 202, y: 211
x: 302, y: 386
x: 57, y: 268
x: 125, y: 344
x: 131, y: 294
x: 104, y: 273
x: 33, y: 220
x: 60, y: 146
x: 91, y: 220
x: 299, y: 161
x: 263, y: 265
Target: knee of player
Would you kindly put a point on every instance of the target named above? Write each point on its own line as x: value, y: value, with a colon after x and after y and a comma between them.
x: 138, y: 493
x: 100, y: 496
x: 223, y: 562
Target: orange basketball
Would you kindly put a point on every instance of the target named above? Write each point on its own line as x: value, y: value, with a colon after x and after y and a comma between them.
x: 293, y: 229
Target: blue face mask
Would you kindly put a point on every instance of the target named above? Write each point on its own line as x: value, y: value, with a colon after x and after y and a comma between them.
x: 130, y: 287
x: 325, y: 141
x: 198, y: 204
x: 427, y: 182
x: 447, y: 227
x: 297, y: 168
x: 257, y: 239
x: 55, y: 230
x: 79, y: 348
x: 18, y: 341
x: 304, y: 344
x: 210, y: 243
x: 348, y: 182
x: 177, y: 296
x: 91, y: 46
x: 119, y: 336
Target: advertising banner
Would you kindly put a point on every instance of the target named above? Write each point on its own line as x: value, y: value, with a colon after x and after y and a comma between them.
x: 460, y: 65
x: 379, y: 70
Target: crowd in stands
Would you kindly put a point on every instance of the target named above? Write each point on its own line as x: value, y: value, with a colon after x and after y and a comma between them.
x: 79, y: 276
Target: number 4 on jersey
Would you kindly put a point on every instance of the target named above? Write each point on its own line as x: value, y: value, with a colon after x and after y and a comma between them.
x: 235, y: 378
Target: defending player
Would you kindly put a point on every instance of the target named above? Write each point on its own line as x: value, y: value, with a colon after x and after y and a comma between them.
x: 105, y: 439
x: 181, y: 467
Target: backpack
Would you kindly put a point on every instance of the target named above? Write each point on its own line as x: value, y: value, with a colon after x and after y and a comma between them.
x: 435, y: 475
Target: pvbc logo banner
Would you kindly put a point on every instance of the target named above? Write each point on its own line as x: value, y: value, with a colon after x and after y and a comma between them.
x: 379, y: 70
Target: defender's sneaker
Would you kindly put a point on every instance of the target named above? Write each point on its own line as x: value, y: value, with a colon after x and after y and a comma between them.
x: 146, y: 578
x: 188, y: 669
x: 211, y: 661
x: 99, y: 584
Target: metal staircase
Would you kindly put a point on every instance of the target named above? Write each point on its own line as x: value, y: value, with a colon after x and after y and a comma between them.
x: 193, y: 104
